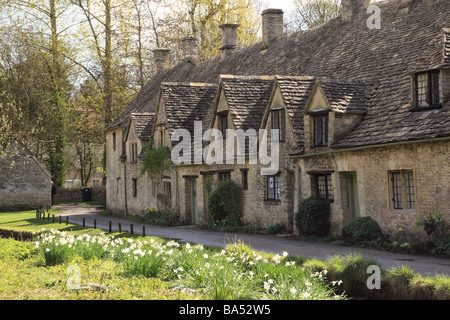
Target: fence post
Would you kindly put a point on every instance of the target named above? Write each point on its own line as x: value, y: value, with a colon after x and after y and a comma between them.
x: 95, y: 224
x: 109, y: 225
x: 120, y: 227
x: 59, y: 219
x: 143, y: 231
x: 67, y: 220
x: 53, y: 218
x: 131, y: 228
x: 84, y: 222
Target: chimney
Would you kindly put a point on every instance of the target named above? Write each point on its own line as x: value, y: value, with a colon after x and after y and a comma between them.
x: 272, y: 24
x: 162, y: 59
x: 229, y: 38
x: 351, y: 7
x: 190, y: 48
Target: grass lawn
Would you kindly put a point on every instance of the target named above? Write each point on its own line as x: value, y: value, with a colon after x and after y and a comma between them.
x: 71, y: 262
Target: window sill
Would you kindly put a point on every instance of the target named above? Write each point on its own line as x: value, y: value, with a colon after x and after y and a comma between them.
x: 431, y: 108
x: 272, y: 201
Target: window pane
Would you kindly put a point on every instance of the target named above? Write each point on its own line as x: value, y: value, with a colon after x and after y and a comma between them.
x: 330, y: 187
x: 320, y: 131
x: 277, y: 188
x: 435, y: 89
x: 397, y: 190
x: 409, y: 178
x: 422, y: 90
x: 321, y: 187
x: 270, y: 188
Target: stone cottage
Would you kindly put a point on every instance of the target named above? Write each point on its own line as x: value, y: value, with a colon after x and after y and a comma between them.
x: 23, y: 180
x: 361, y: 110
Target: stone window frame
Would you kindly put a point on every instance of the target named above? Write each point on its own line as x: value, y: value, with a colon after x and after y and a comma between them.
x: 328, y: 187
x: 222, y: 122
x: 402, y: 189
x: 431, y: 87
x: 133, y: 152
x: 134, y: 187
x: 276, y: 195
x: 279, y: 122
x: 244, y: 175
x: 114, y: 142
x: 324, y: 132
x: 224, y: 175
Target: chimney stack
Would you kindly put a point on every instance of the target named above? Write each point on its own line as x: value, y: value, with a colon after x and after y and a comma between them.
x: 272, y: 24
x: 190, y: 48
x: 351, y: 7
x: 229, y: 38
x: 162, y: 59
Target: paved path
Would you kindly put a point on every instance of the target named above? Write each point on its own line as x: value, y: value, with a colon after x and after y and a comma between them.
x: 267, y: 243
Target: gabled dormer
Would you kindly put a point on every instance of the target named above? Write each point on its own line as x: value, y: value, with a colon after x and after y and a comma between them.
x: 334, y: 108
x: 138, y: 133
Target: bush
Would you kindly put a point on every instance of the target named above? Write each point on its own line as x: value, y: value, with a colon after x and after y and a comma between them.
x: 312, y: 217
x: 224, y: 203
x: 362, y: 229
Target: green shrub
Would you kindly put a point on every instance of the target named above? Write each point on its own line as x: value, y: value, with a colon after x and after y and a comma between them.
x: 362, y: 229
x: 224, y: 203
x: 276, y: 228
x: 312, y: 217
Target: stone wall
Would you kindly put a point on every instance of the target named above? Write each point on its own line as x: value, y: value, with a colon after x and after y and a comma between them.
x: 74, y: 194
x: 429, y: 163
x: 23, y: 180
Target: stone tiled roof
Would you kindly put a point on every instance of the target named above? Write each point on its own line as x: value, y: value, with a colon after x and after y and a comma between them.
x: 295, y: 92
x: 247, y: 98
x: 408, y: 42
x: 143, y: 123
x: 186, y: 103
x: 149, y: 91
x: 347, y: 96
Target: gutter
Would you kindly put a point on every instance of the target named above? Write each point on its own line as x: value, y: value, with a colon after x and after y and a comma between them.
x: 309, y: 155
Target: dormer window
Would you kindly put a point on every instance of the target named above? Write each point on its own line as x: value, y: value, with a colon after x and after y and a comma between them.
x: 320, y: 130
x: 279, y: 122
x: 223, y: 122
x: 428, y: 89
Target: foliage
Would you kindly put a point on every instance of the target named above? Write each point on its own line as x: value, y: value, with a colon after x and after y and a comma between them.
x: 275, y: 228
x: 162, y: 217
x: 156, y: 161
x: 225, y: 202
x: 311, y: 13
x: 312, y: 217
x: 433, y: 224
x: 362, y: 229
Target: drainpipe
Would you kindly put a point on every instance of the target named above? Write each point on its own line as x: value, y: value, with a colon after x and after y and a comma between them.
x: 297, y: 187
x: 177, y: 206
x: 125, y: 186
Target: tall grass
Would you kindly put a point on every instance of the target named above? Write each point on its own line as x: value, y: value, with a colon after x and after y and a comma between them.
x: 235, y: 272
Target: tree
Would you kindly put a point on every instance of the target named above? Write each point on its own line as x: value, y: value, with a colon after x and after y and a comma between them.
x: 311, y: 13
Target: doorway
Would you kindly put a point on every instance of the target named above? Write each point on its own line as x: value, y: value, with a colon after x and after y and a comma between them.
x: 353, y: 195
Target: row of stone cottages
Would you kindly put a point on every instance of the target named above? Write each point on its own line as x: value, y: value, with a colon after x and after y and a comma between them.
x: 363, y: 117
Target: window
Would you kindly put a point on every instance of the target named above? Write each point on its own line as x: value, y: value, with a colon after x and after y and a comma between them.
x: 134, y: 185
x: 168, y: 190
x: 162, y: 138
x: 402, y: 189
x: 223, y: 123
x: 428, y: 89
x: 273, y: 188
x: 95, y: 183
x: 324, y: 186
x: 279, y: 122
x: 134, y: 152
x: 320, y: 130
x: 244, y: 173
x: 114, y: 141
x: 225, y: 175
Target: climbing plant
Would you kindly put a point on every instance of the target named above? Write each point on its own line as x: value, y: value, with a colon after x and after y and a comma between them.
x: 156, y: 161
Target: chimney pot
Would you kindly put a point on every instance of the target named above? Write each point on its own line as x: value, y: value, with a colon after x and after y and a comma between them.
x: 190, y: 48
x: 162, y: 59
x: 351, y: 7
x: 272, y: 24
x: 229, y: 38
